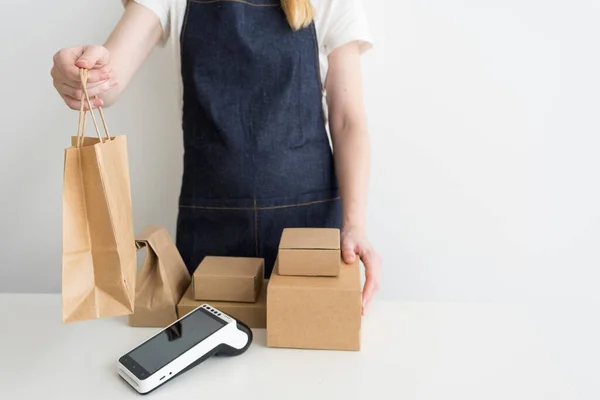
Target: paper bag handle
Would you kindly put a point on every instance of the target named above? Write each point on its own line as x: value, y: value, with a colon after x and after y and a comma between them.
x: 83, y: 74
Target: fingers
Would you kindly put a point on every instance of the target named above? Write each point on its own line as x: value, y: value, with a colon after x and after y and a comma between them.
x: 348, y: 251
x: 368, y: 290
x: 372, y: 262
x: 64, y: 65
x: 354, y: 246
x: 67, y: 71
x: 92, y: 57
x: 66, y: 74
x: 72, y: 95
x: 93, y: 89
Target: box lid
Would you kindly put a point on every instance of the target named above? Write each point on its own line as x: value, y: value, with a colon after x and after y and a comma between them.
x: 310, y: 238
x: 347, y: 280
x: 243, y: 267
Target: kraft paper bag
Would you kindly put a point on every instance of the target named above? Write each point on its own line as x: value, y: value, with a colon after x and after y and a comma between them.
x: 161, y: 282
x: 99, y: 253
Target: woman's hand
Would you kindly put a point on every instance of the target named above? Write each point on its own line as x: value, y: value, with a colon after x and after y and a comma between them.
x: 355, y: 242
x: 125, y: 50
x: 65, y: 74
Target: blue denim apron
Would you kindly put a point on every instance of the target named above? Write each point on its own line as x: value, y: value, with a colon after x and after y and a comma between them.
x: 256, y: 153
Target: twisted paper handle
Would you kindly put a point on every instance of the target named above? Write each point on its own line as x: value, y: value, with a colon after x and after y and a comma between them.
x: 83, y: 73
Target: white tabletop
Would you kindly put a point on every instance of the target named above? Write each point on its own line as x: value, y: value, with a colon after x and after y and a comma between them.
x: 410, y: 351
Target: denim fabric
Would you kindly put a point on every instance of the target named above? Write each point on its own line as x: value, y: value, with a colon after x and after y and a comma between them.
x: 257, y: 157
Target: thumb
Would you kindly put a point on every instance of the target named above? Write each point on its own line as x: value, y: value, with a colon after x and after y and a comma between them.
x: 93, y: 57
x: 348, y: 253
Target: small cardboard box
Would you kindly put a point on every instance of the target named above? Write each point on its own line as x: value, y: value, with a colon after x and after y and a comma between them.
x: 315, y: 312
x: 309, y: 252
x: 237, y: 279
x: 252, y: 314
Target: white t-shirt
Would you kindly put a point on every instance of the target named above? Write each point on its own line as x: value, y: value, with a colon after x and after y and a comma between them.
x: 337, y: 22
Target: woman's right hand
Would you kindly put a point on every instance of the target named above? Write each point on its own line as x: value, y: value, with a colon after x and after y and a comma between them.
x: 65, y: 74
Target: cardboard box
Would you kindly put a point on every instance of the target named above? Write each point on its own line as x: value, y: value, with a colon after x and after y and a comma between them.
x: 309, y: 252
x: 237, y: 279
x: 252, y: 314
x: 315, y: 312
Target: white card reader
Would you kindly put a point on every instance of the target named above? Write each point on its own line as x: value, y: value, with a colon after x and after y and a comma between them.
x: 187, y: 342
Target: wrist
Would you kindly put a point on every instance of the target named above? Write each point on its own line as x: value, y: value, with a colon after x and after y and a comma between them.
x: 354, y: 223
x: 353, y: 216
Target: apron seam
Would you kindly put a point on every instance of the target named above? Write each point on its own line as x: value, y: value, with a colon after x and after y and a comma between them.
x: 255, y: 208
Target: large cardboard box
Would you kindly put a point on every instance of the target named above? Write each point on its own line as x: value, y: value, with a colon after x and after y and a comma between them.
x: 252, y: 314
x: 309, y: 252
x: 315, y: 312
x: 237, y: 279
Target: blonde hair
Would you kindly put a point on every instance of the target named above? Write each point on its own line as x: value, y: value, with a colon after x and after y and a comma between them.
x: 299, y: 13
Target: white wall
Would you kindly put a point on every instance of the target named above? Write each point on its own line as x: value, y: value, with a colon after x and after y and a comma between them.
x: 486, y: 136
x: 485, y: 127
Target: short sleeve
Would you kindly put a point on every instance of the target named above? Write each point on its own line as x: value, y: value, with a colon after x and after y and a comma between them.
x: 347, y: 23
x: 162, y: 10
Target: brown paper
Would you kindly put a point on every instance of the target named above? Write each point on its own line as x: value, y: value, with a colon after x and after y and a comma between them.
x: 161, y: 282
x: 252, y: 314
x: 309, y: 252
x: 236, y: 279
x: 315, y: 312
x: 99, y: 260
x: 99, y: 255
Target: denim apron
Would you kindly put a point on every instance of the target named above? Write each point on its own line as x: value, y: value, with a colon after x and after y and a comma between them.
x: 257, y: 157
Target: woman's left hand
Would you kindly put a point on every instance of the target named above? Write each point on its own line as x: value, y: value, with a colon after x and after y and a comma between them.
x: 354, y: 242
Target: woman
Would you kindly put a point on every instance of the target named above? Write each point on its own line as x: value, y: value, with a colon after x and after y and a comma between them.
x: 257, y: 154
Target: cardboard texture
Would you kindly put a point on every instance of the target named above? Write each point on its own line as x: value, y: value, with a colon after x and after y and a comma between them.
x: 237, y: 279
x: 315, y: 312
x: 252, y: 314
x: 99, y: 255
x: 309, y: 252
x: 161, y: 281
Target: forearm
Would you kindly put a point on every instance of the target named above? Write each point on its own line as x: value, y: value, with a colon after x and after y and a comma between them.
x: 348, y: 127
x: 129, y: 45
x: 352, y: 163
